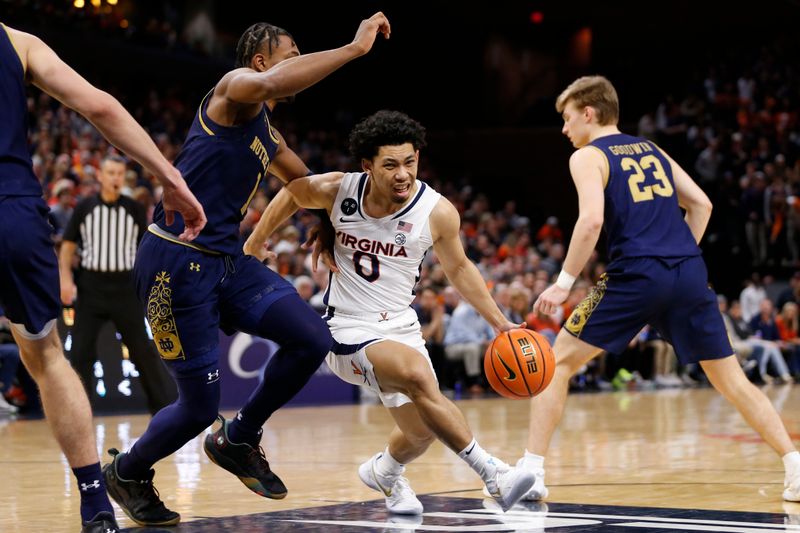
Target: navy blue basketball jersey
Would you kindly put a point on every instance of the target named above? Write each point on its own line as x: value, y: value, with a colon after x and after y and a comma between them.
x: 642, y: 215
x: 16, y: 169
x: 223, y: 167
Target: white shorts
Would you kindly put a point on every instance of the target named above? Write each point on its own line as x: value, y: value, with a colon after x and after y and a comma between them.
x: 354, y: 333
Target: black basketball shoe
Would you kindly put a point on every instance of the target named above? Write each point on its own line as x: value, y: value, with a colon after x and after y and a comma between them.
x: 138, y: 498
x: 245, y: 462
x: 103, y: 522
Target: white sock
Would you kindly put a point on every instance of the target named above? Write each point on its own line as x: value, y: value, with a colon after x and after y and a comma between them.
x: 791, y: 462
x: 387, y: 466
x: 479, y: 460
x: 531, y: 461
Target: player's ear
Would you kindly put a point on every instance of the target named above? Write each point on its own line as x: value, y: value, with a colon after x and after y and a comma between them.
x: 259, y: 63
x: 366, y: 165
x: 588, y: 113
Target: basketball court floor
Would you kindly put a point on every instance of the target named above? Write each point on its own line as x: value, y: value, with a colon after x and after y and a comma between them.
x: 670, y: 460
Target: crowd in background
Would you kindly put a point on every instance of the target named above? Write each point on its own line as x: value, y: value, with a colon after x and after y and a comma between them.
x: 737, y: 133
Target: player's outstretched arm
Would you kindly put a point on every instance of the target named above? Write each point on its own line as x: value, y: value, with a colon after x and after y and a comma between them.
x: 461, y: 272
x: 311, y: 192
x: 48, y: 72
x: 587, y: 167
x: 293, y: 75
x: 281, y: 207
x: 692, y: 198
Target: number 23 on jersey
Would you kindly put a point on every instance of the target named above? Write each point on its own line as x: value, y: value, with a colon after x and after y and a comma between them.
x: 651, y: 165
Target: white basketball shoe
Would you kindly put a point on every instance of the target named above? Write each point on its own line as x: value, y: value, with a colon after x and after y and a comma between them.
x: 537, y: 492
x: 791, y: 487
x: 400, y: 498
x: 509, y: 486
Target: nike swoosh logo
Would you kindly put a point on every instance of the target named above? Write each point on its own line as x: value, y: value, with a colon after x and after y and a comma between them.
x: 511, y: 374
x: 470, y: 450
x: 386, y: 493
x: 342, y: 219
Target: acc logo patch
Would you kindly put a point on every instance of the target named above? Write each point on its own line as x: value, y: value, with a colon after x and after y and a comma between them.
x: 349, y: 206
x: 400, y: 239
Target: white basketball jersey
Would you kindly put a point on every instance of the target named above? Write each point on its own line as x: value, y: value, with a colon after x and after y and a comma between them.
x: 379, y: 259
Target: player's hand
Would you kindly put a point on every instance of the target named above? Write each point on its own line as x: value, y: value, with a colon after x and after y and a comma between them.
x: 369, y: 29
x: 262, y: 253
x: 321, y: 237
x: 550, y: 299
x: 178, y: 198
x: 68, y: 293
x: 508, y: 326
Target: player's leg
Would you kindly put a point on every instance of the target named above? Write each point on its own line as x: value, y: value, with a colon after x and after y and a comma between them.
x: 400, y: 368
x: 68, y: 414
x: 29, y: 295
x: 728, y: 378
x: 611, y: 314
x: 128, y: 318
x: 181, y: 303
x: 257, y: 301
x: 411, y: 437
x: 304, y: 341
x: 129, y: 476
x: 697, y: 331
x: 384, y: 471
x: 547, y: 407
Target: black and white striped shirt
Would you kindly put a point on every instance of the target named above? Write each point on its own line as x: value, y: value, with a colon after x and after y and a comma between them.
x: 107, y: 234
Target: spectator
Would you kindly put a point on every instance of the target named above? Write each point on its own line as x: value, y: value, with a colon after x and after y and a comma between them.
x: 752, y: 296
x: 550, y: 231
x: 747, y: 353
x: 431, y: 316
x: 60, y: 213
x: 791, y: 293
x: 764, y: 351
x: 764, y: 327
x: 787, y: 323
x: 464, y: 342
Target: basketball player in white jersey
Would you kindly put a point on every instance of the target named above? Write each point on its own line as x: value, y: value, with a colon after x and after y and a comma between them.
x: 385, y: 222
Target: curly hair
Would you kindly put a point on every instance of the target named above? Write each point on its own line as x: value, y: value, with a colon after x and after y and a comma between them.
x: 252, y: 38
x: 385, y: 128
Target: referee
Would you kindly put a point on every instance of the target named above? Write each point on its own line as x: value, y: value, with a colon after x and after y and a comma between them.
x: 107, y: 229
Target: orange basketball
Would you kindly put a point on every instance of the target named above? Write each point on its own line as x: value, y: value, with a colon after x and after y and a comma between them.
x: 519, y: 363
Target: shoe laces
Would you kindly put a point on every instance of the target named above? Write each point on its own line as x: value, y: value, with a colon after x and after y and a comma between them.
x: 402, y: 486
x: 258, y: 459
x: 148, y: 491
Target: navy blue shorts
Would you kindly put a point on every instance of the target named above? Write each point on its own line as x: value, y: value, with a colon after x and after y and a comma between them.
x: 29, y: 284
x: 190, y: 294
x: 672, y: 296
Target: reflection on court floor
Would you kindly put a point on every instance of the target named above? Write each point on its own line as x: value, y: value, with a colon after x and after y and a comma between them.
x: 476, y: 515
